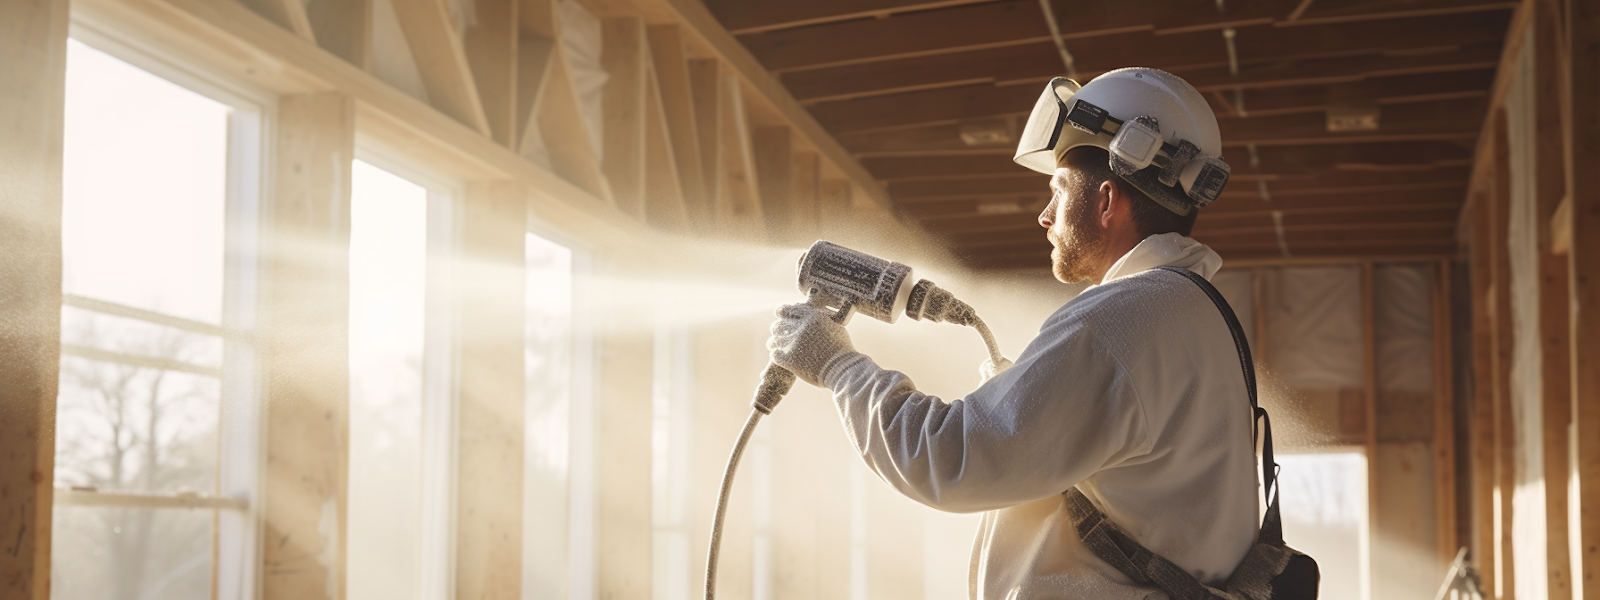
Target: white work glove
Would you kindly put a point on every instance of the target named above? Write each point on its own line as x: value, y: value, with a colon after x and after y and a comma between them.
x: 988, y: 369
x: 806, y: 341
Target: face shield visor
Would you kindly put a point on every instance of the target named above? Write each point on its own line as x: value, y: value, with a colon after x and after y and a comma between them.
x: 1045, y: 127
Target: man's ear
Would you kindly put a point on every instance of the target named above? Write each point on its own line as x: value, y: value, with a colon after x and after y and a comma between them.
x: 1110, y: 201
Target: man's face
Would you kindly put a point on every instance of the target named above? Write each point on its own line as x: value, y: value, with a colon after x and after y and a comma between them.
x: 1070, y: 225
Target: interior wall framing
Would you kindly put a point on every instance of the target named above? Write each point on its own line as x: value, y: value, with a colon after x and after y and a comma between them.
x: 33, y: 54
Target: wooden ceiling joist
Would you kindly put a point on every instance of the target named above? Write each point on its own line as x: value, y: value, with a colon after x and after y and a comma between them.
x: 1422, y: 121
x: 1273, y: 162
x: 952, y: 105
x: 1019, y: 22
x: 1038, y: 61
x: 743, y: 16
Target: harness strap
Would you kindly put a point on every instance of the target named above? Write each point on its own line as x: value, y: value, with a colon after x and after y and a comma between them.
x: 1144, y: 567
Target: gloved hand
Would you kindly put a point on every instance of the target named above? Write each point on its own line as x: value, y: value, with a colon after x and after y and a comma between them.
x: 988, y: 369
x: 805, y: 340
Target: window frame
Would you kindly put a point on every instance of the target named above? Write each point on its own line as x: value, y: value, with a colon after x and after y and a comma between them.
x: 237, y: 526
x: 441, y: 363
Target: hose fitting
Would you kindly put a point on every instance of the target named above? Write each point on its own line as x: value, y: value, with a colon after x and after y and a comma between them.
x: 932, y: 303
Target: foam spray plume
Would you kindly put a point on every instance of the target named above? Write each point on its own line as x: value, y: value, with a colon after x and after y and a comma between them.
x: 843, y: 281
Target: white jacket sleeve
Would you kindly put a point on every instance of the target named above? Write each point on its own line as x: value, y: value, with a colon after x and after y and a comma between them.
x: 1067, y: 409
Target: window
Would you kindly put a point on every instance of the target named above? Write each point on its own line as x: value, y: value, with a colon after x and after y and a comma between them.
x: 558, y: 492
x: 1324, y: 510
x: 156, y: 440
x: 402, y: 404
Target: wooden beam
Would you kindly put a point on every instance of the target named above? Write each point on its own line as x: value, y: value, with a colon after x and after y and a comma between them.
x: 773, y: 152
x: 1481, y: 422
x: 1369, y: 372
x: 738, y: 204
x: 288, y: 14
x: 953, y: 105
x: 491, y: 51
x: 442, y: 61
x: 1554, y: 294
x: 1444, y: 430
x: 1582, y: 50
x: 563, y: 126
x: 1445, y: 120
x: 1019, y: 22
x: 343, y: 28
x: 670, y: 62
x: 1505, y: 435
x: 693, y: 15
x: 1432, y: 120
x: 489, y: 453
x: 33, y: 54
x: 305, y: 374
x: 705, y: 87
x: 742, y: 17
x: 623, y: 58
x: 535, y: 56
x: 664, y: 191
x: 1276, y: 161
x: 1027, y: 183
x: 1266, y: 55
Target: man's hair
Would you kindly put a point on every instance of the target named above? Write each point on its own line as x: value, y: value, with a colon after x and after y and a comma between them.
x: 1149, y: 217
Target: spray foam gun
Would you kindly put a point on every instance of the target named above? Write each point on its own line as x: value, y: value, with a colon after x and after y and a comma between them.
x: 847, y: 282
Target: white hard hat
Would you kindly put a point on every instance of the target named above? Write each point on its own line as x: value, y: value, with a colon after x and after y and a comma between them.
x: 1159, y: 131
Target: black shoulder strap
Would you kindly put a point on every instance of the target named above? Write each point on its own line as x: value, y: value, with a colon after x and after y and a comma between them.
x: 1272, y: 524
x: 1120, y: 550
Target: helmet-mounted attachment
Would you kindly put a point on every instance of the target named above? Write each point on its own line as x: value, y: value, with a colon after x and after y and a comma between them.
x: 1192, y: 177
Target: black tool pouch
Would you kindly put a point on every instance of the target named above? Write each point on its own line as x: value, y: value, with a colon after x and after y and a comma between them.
x: 1271, y: 570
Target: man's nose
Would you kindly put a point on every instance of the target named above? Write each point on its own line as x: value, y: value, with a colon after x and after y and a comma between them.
x: 1045, y: 219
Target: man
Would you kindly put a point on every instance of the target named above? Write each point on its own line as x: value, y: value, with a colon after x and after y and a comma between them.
x: 1132, y: 391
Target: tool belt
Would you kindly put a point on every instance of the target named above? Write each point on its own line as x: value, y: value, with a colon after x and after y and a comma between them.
x: 1271, y: 570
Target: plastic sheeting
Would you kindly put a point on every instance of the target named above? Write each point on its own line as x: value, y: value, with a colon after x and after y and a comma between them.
x: 1314, y: 339
x: 1402, y: 298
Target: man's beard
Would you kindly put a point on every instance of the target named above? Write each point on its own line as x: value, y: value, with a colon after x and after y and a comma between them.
x: 1079, y: 246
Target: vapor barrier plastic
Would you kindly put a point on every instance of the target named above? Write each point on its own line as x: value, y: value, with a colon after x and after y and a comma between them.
x: 1314, y: 326
x: 1402, y: 297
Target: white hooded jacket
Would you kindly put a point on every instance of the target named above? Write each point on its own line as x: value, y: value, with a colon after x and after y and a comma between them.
x: 1132, y: 391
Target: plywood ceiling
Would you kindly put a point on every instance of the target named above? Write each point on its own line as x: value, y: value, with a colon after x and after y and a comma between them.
x: 897, y: 81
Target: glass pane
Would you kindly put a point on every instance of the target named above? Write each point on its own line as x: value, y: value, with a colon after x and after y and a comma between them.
x: 101, y: 552
x: 1324, y: 506
x: 548, y: 364
x: 128, y: 428
x: 144, y: 189
x: 388, y: 262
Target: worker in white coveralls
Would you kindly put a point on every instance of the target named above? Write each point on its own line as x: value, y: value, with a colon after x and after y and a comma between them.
x: 1131, y: 392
